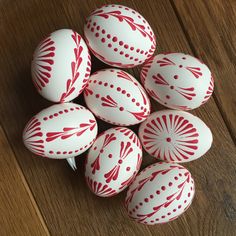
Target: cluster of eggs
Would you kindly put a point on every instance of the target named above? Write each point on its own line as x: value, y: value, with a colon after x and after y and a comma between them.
x: 121, y: 37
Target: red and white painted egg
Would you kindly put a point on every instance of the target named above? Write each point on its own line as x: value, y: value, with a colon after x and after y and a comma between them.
x: 113, y: 161
x: 175, y: 136
x: 117, y: 97
x: 177, y: 80
x: 60, y: 131
x: 61, y: 66
x: 160, y: 193
x: 119, y: 36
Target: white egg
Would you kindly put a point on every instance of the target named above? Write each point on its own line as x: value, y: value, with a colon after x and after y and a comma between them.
x: 119, y: 36
x: 160, y: 193
x: 117, y: 97
x: 60, y: 131
x: 61, y: 66
x: 177, y: 80
x: 175, y: 136
x: 113, y: 161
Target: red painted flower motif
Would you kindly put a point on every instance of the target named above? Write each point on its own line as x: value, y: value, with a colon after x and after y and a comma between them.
x: 108, y: 139
x: 188, y: 93
x: 170, y: 138
x: 125, y: 150
x: 33, y: 136
x: 42, y: 63
x: 209, y: 90
x: 124, y: 75
x: 99, y: 188
x: 130, y: 21
x: 196, y: 71
x: 169, y: 200
x: 75, y: 65
x: 70, y: 131
x: 145, y: 69
x: 108, y: 101
x: 165, y: 62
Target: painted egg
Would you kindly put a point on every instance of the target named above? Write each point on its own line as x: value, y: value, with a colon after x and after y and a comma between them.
x: 117, y: 97
x: 160, y: 193
x: 119, y: 36
x: 175, y: 136
x: 61, y: 66
x: 60, y: 131
x: 177, y: 80
x: 113, y: 161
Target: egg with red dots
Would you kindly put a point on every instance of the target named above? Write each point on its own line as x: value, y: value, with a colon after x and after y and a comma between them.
x: 175, y: 136
x: 117, y: 97
x: 61, y: 66
x: 119, y: 36
x: 160, y: 193
x: 177, y: 80
x: 113, y: 161
x: 60, y: 131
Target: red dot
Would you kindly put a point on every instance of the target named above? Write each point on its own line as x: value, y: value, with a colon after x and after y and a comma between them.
x: 115, y: 49
x: 108, y: 36
x: 114, y: 39
x: 170, y: 183
x: 55, y: 114
x: 121, y: 43
x: 120, y: 161
x: 131, y: 58
x: 111, y: 86
x: 109, y: 45
x: 65, y: 110
x: 140, y: 203
x: 72, y: 109
x: 137, y: 104
x: 168, y: 213
x: 163, y: 217
x: 176, y: 178
x: 70, y: 152
x: 142, y: 52
x: 131, y: 48
x: 167, y: 96
x: 118, y: 89
x: 105, y: 84
x: 179, y: 206
x: 126, y: 46
x: 180, y: 174
x: 184, y: 58
x: 121, y: 53
x: 136, y: 59
x: 121, y: 108
x: 128, y: 168
x: 51, y: 152
x: 163, y: 188
x: 45, y: 118
x: 101, y: 151
x: 180, y: 66
x: 146, y: 199
x: 60, y: 112
x: 50, y: 117
x: 92, y: 29
x: 185, y: 201
x: 103, y: 31
x: 97, y: 95
x: 94, y: 24
x: 123, y: 92
x: 64, y: 152
x: 189, y: 194
x: 128, y: 95
x: 110, y: 155
x: 157, y: 219
x: 100, y: 82
x: 171, y: 87
x: 175, y: 76
x: 126, y: 55
x: 97, y: 34
x: 58, y: 152
x: 138, y: 50
x: 95, y: 148
x: 158, y: 192
x: 168, y: 140
x: 174, y: 210
x: 103, y: 40
x: 151, y: 196
x: 133, y: 100
x: 98, y: 27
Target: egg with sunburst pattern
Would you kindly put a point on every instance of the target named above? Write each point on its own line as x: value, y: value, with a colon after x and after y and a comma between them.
x: 175, y: 136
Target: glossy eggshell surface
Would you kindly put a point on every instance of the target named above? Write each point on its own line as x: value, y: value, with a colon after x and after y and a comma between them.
x: 177, y: 80
x: 60, y: 131
x: 61, y: 66
x: 119, y: 36
x: 117, y: 97
x: 113, y: 161
x: 175, y: 136
x: 160, y: 193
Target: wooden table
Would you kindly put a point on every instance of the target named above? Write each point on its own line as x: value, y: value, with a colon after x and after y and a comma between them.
x: 42, y: 197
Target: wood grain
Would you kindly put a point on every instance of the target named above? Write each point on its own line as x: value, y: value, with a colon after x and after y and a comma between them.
x: 210, y: 28
x: 67, y: 206
x: 19, y: 213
